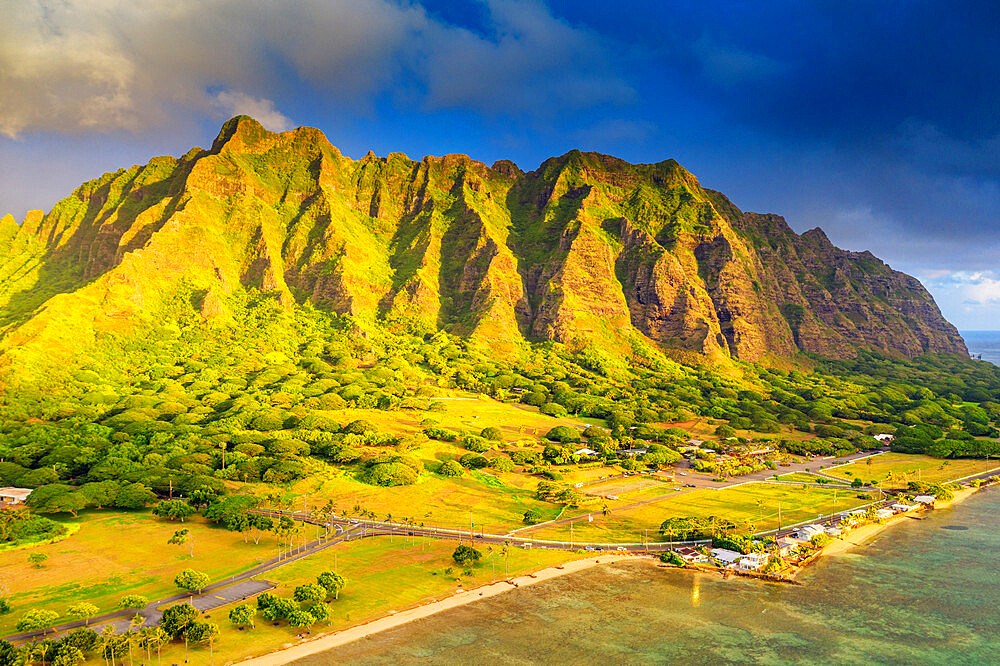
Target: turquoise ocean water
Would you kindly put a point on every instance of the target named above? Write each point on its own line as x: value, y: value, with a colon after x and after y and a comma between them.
x: 986, y: 343
x: 922, y: 592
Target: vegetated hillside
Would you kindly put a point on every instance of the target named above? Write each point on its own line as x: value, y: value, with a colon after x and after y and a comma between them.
x: 585, y: 249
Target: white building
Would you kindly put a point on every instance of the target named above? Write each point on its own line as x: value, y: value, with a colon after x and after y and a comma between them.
x: 903, y: 508
x: 785, y: 546
x: 590, y: 453
x: 833, y: 531
x: 882, y: 514
x: 727, y: 557
x: 807, y: 532
x: 754, y: 561
x: 927, y: 500
x: 14, y: 495
x: 885, y: 438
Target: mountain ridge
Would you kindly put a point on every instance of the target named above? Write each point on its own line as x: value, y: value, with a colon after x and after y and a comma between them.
x: 586, y: 249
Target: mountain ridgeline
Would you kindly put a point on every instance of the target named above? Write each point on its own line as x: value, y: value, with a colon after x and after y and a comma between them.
x: 586, y: 249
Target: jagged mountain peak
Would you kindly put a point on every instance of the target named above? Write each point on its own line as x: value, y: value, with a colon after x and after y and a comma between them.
x: 585, y: 249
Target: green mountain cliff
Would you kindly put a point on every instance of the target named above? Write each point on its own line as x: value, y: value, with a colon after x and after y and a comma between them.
x: 585, y: 250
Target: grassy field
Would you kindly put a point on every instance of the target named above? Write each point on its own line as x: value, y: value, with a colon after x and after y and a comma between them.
x: 466, y: 411
x: 802, y: 477
x: 903, y: 468
x: 113, y: 554
x: 381, y: 577
x: 739, y: 503
x: 497, y: 503
x: 629, y: 485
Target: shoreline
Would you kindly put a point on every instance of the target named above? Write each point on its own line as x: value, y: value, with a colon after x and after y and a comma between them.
x: 857, y: 538
x: 860, y: 537
x: 328, y: 641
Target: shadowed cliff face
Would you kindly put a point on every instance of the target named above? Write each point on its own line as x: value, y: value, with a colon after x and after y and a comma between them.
x: 585, y: 249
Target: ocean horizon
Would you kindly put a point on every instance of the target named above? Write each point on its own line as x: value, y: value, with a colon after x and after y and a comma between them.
x: 984, y: 342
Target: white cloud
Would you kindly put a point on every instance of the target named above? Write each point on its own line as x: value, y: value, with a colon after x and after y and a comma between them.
x: 78, y: 66
x: 237, y: 103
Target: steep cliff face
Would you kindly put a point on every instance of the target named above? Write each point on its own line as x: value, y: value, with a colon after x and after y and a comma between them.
x: 585, y: 249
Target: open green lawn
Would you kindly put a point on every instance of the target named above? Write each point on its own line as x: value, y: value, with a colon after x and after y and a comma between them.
x: 802, y: 477
x: 904, y: 468
x: 739, y: 503
x: 497, y: 503
x: 113, y: 554
x: 465, y: 411
x: 381, y: 577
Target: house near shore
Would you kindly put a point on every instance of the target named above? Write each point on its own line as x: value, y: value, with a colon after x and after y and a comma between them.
x: 14, y: 496
x: 807, y: 532
x: 785, y: 546
x: 728, y: 558
x: 692, y: 555
x: 855, y: 516
x: 926, y: 500
x: 903, y: 508
x: 882, y: 514
x: 754, y: 561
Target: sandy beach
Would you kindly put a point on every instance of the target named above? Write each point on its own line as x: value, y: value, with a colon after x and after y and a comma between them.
x: 325, y: 642
x: 858, y: 537
x: 328, y: 641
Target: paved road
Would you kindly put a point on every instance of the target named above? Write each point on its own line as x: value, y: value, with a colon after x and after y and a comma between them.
x: 232, y: 588
x: 685, y: 475
x: 347, y: 529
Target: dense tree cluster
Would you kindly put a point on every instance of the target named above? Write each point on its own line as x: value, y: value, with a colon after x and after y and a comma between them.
x: 182, y: 409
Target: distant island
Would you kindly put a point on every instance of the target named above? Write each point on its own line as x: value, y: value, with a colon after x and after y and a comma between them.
x: 264, y: 391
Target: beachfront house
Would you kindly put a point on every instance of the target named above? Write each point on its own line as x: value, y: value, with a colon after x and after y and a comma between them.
x: 926, y: 500
x: 785, y: 546
x: 832, y: 531
x: 754, y: 561
x: 855, y: 516
x: 12, y: 496
x: 728, y: 558
x: 807, y: 532
x: 882, y: 514
x: 693, y: 555
x: 903, y: 508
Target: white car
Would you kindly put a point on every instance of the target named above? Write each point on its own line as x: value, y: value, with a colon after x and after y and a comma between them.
x: 682, y: 473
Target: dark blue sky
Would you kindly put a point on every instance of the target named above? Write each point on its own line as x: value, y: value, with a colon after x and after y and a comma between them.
x: 877, y: 121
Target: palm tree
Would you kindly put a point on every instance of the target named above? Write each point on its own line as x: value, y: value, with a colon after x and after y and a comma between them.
x: 131, y: 636
x: 489, y: 551
x: 156, y: 637
x: 107, y: 634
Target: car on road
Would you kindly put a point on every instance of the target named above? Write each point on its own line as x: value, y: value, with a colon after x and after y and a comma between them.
x: 689, y: 485
x: 682, y: 473
x: 621, y: 548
